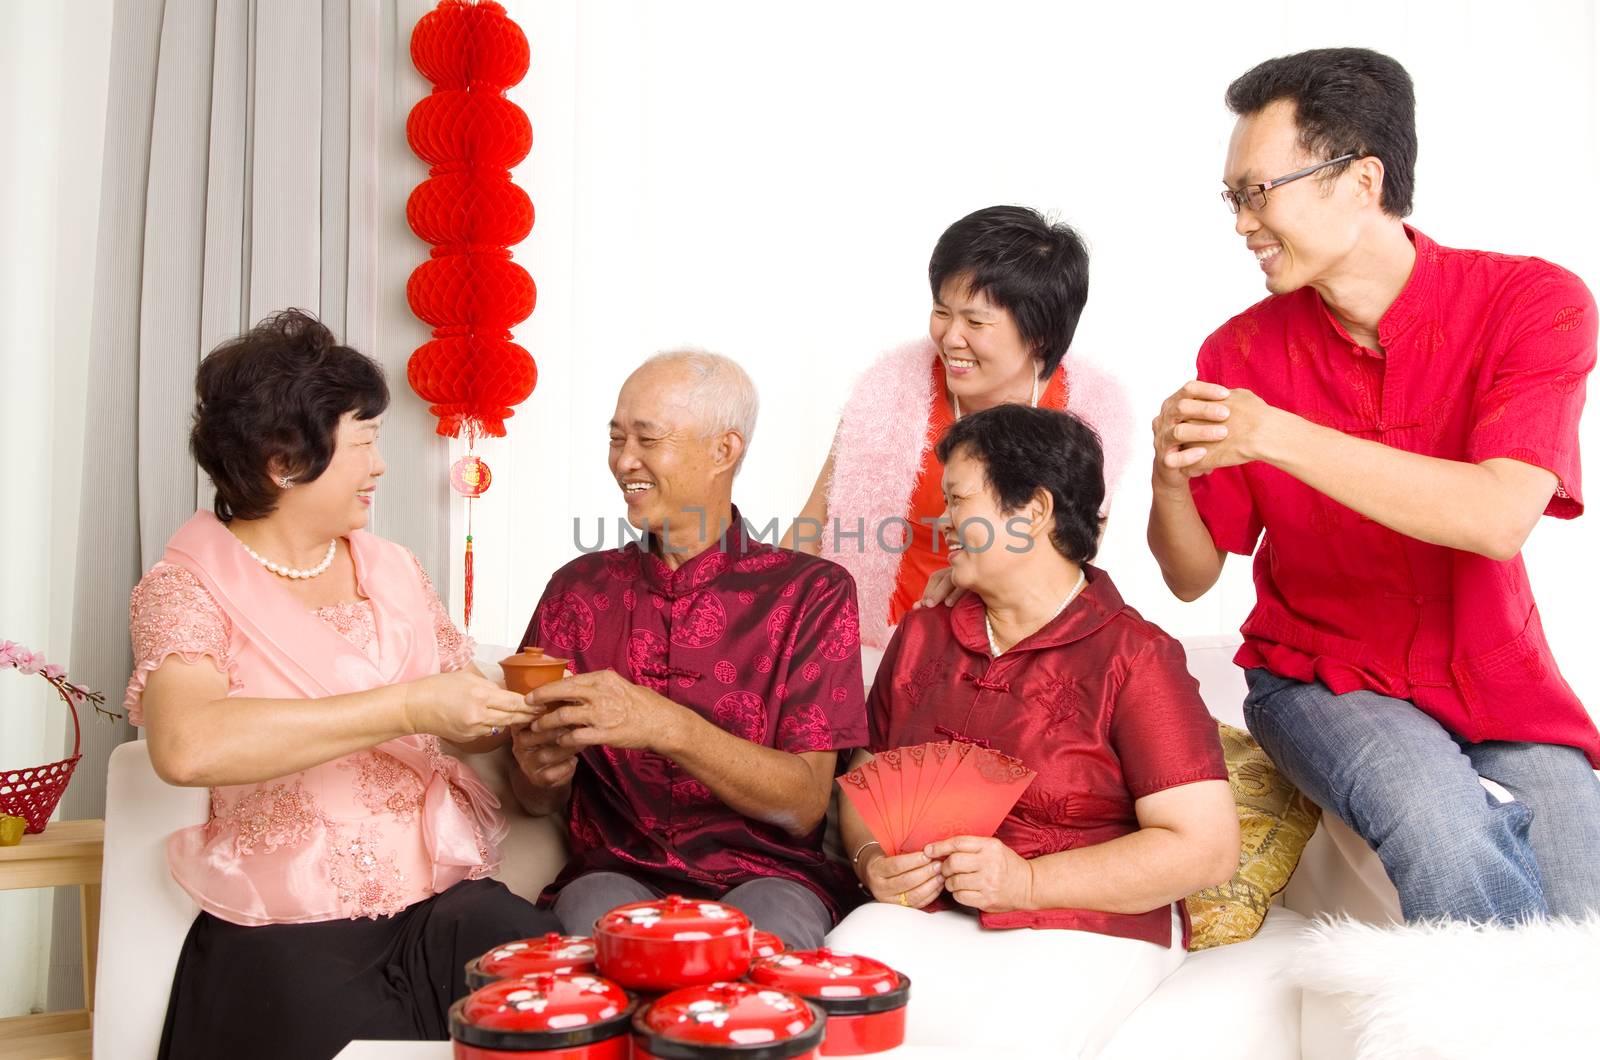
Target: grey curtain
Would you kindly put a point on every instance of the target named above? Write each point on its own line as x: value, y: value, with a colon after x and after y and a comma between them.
x: 255, y: 159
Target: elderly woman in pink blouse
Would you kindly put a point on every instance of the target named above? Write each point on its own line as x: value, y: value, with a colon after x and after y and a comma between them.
x: 305, y: 671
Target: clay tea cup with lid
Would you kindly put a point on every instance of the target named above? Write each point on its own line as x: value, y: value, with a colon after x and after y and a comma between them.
x: 530, y: 668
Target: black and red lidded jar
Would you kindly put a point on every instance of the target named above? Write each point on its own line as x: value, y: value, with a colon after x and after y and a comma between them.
x: 865, y: 999
x: 672, y: 942
x: 728, y: 1021
x: 551, y: 953
x: 548, y: 1016
x: 765, y: 944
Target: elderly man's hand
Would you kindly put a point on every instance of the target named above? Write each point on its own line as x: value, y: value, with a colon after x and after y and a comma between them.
x: 604, y: 708
x: 541, y: 757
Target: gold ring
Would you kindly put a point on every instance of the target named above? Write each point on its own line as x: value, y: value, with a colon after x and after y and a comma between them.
x: 903, y: 901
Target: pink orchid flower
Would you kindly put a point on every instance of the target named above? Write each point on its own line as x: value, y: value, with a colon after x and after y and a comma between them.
x: 54, y: 672
x: 8, y: 652
x: 30, y: 662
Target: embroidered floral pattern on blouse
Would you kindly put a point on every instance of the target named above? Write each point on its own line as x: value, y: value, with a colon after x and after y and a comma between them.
x: 366, y: 880
x: 456, y: 649
x: 385, y: 784
x: 268, y: 817
x: 170, y: 613
x: 353, y: 620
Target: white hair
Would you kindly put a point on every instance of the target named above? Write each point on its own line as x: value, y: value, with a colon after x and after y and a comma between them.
x: 722, y: 396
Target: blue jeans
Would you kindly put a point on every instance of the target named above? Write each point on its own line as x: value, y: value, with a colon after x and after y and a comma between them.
x: 1411, y: 789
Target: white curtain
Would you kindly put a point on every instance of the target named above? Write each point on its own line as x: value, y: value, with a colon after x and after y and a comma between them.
x: 255, y: 159
x: 53, y: 68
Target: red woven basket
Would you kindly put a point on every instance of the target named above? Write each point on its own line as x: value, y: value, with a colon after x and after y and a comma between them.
x: 32, y: 794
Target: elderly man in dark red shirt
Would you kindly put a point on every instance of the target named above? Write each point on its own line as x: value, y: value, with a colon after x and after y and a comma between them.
x: 717, y: 679
x: 1389, y: 426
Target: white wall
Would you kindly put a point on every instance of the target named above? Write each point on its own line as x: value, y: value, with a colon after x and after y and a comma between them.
x: 53, y: 70
x: 768, y: 181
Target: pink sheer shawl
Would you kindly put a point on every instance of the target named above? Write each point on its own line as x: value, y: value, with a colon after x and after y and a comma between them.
x: 363, y: 835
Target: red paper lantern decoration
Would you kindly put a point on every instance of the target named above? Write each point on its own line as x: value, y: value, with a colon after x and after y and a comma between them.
x: 479, y: 292
x: 469, y: 290
x: 470, y: 209
x: 460, y: 43
x: 455, y: 129
x: 474, y: 377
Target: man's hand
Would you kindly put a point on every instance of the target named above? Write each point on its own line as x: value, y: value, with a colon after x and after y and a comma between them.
x: 1252, y: 426
x: 1204, y: 426
x: 604, y: 708
x: 1192, y: 417
x: 542, y: 760
x: 984, y: 873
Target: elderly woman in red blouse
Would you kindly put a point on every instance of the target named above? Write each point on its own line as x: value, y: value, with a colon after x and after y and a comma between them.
x: 1041, y: 659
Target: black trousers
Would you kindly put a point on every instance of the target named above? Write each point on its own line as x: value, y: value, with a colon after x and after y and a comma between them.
x: 305, y: 991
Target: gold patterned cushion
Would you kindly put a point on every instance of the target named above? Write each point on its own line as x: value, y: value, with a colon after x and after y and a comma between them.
x: 1275, y: 823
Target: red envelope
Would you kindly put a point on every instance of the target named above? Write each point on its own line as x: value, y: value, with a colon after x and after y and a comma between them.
x: 976, y: 798
x: 909, y: 797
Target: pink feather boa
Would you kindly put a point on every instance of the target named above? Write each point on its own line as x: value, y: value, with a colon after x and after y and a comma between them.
x: 882, y: 437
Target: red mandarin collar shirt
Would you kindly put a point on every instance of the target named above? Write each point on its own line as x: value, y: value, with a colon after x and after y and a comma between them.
x: 1099, y: 702
x: 1484, y: 355
x: 760, y: 641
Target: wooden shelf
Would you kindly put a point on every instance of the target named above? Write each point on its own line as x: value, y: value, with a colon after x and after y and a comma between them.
x: 48, y: 1036
x: 65, y: 854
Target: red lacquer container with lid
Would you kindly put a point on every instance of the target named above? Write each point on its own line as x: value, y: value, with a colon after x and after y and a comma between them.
x: 728, y: 1021
x: 765, y: 944
x: 550, y: 953
x: 865, y: 999
x: 672, y: 942
x: 549, y: 1016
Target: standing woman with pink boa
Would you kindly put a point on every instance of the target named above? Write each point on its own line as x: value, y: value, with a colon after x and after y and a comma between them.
x: 1008, y: 287
x: 305, y: 671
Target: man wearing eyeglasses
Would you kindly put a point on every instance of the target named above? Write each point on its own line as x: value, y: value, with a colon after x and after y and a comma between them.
x: 1389, y: 426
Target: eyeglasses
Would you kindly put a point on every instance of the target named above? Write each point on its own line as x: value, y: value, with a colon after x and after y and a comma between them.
x: 1256, y: 194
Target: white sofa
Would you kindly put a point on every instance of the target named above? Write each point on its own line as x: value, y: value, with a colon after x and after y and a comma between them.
x: 1231, y: 1003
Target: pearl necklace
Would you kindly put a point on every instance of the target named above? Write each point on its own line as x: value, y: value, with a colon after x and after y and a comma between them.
x: 994, y: 646
x: 293, y: 572
x: 1033, y: 399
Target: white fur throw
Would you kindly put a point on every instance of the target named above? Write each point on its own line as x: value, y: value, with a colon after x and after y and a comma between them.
x: 1462, y: 991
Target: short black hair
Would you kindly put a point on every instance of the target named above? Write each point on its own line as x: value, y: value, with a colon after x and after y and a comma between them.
x: 1035, y: 270
x: 1024, y: 450
x: 1346, y: 101
x: 276, y: 393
